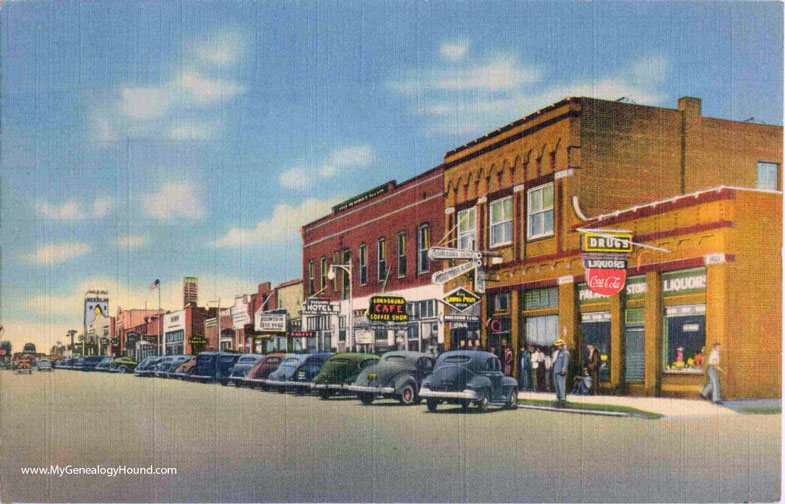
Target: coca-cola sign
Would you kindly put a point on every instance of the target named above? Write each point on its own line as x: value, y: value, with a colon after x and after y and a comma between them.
x: 606, y: 282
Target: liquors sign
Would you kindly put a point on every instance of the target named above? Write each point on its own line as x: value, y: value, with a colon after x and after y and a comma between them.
x: 604, y: 255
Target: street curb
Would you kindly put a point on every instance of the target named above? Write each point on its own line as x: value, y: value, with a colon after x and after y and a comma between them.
x: 576, y: 411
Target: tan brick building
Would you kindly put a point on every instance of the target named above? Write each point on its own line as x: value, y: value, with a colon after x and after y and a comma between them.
x: 524, y: 190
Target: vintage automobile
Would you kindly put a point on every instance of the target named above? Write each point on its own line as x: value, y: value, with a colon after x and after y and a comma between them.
x: 44, y: 365
x: 241, y: 368
x: 24, y: 364
x: 259, y: 373
x: 341, y: 370
x: 147, y: 366
x: 184, y: 370
x: 89, y: 363
x: 104, y: 365
x: 123, y: 365
x: 214, y: 366
x: 163, y: 365
x: 77, y: 363
x: 170, y: 370
x: 469, y: 377
x: 397, y: 375
x: 296, y: 372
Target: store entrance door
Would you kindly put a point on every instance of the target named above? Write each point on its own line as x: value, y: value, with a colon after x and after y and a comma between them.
x: 634, y: 360
x: 596, y: 331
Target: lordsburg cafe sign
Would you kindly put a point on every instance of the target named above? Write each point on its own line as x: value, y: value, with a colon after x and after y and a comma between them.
x: 604, y: 255
x: 387, y: 309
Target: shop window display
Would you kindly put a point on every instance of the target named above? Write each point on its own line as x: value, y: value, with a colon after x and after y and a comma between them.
x: 684, y: 344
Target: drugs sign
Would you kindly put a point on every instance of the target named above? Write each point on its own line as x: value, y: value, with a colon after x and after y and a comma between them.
x: 387, y: 309
x: 611, y: 241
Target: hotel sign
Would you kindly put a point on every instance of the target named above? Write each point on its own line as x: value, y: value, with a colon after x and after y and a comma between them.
x: 320, y: 306
x: 362, y: 198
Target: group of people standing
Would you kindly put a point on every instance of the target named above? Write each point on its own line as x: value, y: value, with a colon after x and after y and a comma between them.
x: 544, y: 369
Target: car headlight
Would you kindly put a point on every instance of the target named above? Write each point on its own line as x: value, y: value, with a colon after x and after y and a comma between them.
x: 372, y: 376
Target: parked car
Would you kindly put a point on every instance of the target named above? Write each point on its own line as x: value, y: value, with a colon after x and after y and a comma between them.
x: 162, y: 366
x: 147, y: 366
x: 397, y: 375
x: 175, y: 363
x: 184, y: 370
x: 105, y: 365
x: 214, y: 366
x: 296, y: 372
x: 341, y: 370
x: 89, y: 363
x: 123, y: 365
x: 77, y: 363
x: 469, y: 377
x: 258, y: 374
x: 241, y: 369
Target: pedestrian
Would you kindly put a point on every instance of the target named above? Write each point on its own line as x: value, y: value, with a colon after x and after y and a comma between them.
x: 462, y: 344
x: 525, y: 369
x: 548, y: 360
x: 582, y: 385
x: 593, y: 365
x: 535, y: 360
x: 540, y: 370
x: 561, y: 363
x: 712, y: 380
x: 508, y: 358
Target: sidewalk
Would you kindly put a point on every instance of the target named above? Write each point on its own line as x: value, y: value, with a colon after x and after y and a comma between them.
x: 665, y: 406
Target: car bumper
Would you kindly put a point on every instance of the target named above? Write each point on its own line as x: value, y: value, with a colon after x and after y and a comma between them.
x: 437, y: 394
x: 289, y: 383
x: 370, y: 390
x: 328, y: 386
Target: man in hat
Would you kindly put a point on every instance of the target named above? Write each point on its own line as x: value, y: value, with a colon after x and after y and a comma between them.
x: 712, y: 380
x: 561, y: 364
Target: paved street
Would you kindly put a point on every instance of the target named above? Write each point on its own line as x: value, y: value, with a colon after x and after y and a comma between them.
x: 242, y: 445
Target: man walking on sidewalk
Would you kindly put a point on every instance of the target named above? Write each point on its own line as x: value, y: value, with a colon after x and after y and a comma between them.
x: 561, y: 363
x: 712, y: 380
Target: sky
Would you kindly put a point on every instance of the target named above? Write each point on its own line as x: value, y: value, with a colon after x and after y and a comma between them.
x: 145, y: 140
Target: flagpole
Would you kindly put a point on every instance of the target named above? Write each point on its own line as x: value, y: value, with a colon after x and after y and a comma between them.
x: 160, y: 322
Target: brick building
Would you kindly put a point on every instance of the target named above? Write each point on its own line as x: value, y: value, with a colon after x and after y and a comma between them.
x: 383, y: 235
x: 524, y: 190
x: 184, y: 330
x: 130, y: 325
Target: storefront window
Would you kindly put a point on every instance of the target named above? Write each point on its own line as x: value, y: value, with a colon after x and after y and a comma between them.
x: 542, y: 331
x: 685, y: 339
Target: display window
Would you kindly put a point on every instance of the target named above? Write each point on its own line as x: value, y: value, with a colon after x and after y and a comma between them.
x: 684, y: 340
x: 542, y: 331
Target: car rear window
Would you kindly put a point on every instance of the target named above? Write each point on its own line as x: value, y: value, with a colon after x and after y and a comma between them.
x: 272, y: 360
x: 247, y: 359
x: 455, y: 359
x: 367, y: 362
x: 340, y: 360
x: 397, y: 358
x: 290, y: 361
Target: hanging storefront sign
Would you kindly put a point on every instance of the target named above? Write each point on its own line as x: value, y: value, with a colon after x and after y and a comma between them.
x: 150, y: 339
x: 460, y: 299
x: 443, y: 276
x: 461, y: 318
x: 606, y: 282
x: 479, y: 280
x: 446, y: 253
x: 590, y: 262
x: 606, y: 241
x: 301, y: 334
x: 387, y: 309
x: 197, y: 340
x: 115, y: 341
x: 270, y: 322
x: 319, y: 306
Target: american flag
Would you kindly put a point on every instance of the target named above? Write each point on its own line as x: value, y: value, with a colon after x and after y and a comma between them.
x: 155, y: 284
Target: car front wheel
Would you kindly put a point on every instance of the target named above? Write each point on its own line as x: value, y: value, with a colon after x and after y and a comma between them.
x: 512, y: 398
x: 366, y: 398
x: 325, y: 393
x: 482, y: 403
x: 432, y: 404
x: 408, y: 395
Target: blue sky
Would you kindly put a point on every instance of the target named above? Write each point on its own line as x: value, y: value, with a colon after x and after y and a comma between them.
x: 161, y: 140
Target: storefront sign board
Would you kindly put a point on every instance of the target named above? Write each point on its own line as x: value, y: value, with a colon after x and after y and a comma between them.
x: 443, y: 276
x: 446, y: 253
x: 606, y: 282
x: 606, y: 241
x: 460, y: 299
x: 387, y: 309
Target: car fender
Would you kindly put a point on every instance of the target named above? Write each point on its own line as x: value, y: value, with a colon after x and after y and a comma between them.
x: 402, y: 379
x: 508, y: 382
x: 479, y: 382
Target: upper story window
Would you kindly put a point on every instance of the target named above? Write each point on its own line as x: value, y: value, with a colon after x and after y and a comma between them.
x: 362, y: 252
x: 337, y: 279
x: 323, y: 273
x: 401, y: 254
x: 423, y: 244
x: 467, y: 229
x: 767, y: 175
x: 310, y: 277
x: 381, y: 259
x: 501, y: 222
x: 501, y: 302
x: 547, y: 297
x: 540, y: 211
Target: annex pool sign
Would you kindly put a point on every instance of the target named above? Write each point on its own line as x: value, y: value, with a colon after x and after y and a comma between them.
x: 460, y: 299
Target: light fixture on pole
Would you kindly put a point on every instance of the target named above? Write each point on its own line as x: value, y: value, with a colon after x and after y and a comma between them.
x: 331, y: 276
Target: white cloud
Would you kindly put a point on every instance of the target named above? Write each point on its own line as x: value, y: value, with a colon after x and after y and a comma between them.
x: 501, y: 91
x: 70, y: 210
x: 205, y: 90
x: 129, y: 241
x: 338, y: 160
x: 145, y: 103
x: 283, y: 226
x: 57, y: 253
x: 74, y: 210
x: 225, y: 48
x: 294, y: 178
x: 173, y: 199
x: 193, y: 131
x: 454, y: 51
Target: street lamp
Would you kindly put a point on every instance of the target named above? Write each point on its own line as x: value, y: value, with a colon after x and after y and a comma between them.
x: 331, y: 276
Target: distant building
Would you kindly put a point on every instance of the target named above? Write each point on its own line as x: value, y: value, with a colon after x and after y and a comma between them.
x: 190, y: 291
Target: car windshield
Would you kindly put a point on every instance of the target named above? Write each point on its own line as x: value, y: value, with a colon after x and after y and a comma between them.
x: 340, y: 360
x: 457, y: 359
x: 291, y: 361
x: 248, y: 359
x: 394, y: 358
x: 272, y: 360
